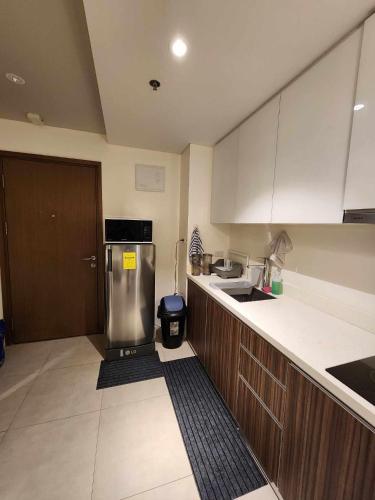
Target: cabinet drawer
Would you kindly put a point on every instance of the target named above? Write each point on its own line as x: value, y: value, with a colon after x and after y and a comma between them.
x: 267, y: 355
x: 261, y: 431
x: 268, y: 390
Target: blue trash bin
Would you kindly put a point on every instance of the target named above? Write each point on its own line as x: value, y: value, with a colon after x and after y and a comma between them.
x: 2, y: 341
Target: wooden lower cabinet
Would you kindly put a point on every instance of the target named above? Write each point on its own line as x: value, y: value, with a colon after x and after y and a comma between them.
x: 307, y: 442
x: 196, y: 319
x: 327, y: 453
x: 222, y: 351
x: 260, y: 429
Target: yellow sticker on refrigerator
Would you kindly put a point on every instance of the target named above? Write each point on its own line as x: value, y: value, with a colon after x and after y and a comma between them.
x: 129, y: 260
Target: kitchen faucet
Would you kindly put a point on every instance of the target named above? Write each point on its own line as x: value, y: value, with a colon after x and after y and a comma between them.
x: 264, y: 277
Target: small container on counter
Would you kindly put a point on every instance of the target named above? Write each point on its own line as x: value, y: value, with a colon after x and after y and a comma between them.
x: 207, y: 261
x: 196, y: 261
x: 277, y: 282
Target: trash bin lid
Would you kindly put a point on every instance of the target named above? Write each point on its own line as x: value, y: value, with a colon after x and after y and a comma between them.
x: 173, y: 303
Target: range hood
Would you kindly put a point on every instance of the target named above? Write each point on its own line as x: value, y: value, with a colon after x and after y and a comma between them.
x: 363, y: 216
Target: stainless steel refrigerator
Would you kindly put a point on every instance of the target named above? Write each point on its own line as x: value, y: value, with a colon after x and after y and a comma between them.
x: 130, y: 299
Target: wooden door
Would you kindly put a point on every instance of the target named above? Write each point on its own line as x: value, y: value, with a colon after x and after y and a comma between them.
x: 51, y: 212
x: 327, y: 453
x: 196, y: 321
x: 222, y: 351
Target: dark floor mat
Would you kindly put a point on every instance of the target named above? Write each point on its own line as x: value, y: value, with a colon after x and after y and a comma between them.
x: 222, y: 465
x: 126, y: 371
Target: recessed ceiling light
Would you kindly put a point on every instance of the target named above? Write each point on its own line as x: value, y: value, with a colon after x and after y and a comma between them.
x: 357, y: 107
x: 179, y: 47
x: 15, y: 78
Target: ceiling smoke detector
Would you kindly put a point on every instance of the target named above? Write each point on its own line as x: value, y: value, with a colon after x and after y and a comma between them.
x: 155, y: 84
x: 35, y: 118
x: 18, y: 80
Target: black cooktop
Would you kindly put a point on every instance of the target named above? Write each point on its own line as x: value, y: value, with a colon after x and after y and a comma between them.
x: 359, y: 376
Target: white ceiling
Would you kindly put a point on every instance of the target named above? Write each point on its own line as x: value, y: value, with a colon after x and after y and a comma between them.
x: 241, y: 52
x: 46, y: 42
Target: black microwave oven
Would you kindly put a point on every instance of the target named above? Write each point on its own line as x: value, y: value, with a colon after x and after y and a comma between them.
x: 129, y: 230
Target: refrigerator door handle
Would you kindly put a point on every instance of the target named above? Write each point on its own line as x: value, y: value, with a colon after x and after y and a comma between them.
x: 109, y: 287
x: 109, y: 259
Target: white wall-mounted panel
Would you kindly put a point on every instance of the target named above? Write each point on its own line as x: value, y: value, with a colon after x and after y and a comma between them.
x: 149, y: 178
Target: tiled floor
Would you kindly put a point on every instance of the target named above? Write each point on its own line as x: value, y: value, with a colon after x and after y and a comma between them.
x: 60, y: 438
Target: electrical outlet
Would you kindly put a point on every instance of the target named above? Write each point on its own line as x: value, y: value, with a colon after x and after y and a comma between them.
x: 219, y: 254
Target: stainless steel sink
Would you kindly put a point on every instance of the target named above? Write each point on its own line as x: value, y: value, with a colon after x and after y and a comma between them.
x: 232, y: 285
x: 243, y: 291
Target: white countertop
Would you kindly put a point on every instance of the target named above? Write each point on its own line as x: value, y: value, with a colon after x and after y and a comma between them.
x: 311, y: 339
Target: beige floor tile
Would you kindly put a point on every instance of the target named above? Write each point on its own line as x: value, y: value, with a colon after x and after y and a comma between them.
x: 60, y: 393
x: 264, y: 493
x: 13, y: 389
x: 185, y: 351
x: 140, y: 447
x: 137, y: 391
x: 76, y: 351
x: 50, y: 461
x: 26, y: 359
x: 183, y: 489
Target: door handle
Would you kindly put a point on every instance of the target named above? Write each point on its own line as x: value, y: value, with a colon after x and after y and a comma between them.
x: 93, y: 257
x: 109, y: 259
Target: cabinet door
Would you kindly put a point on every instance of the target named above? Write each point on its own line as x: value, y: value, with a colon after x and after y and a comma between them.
x: 256, y: 164
x: 222, y: 351
x: 196, y: 319
x: 313, y: 140
x: 224, y: 179
x: 326, y: 452
x: 261, y: 430
x: 360, y: 182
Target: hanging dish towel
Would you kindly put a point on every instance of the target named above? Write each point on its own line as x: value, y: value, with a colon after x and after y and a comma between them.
x: 196, y: 245
x: 280, y: 246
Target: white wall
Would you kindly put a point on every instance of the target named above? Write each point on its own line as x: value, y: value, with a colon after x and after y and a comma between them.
x: 119, y: 195
x: 215, y: 237
x: 338, y: 253
x: 195, y: 207
x: 184, y: 215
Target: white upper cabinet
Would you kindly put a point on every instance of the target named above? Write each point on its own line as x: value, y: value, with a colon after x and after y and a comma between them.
x: 224, y: 179
x: 256, y: 164
x: 313, y: 139
x: 360, y: 183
